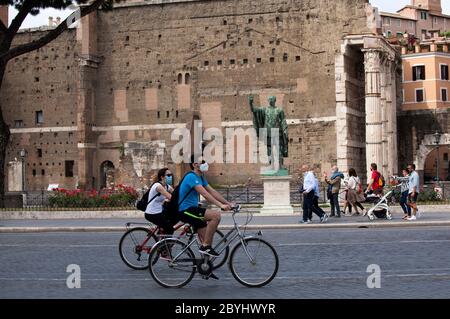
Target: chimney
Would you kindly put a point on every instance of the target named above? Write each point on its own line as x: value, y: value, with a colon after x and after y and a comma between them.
x: 4, y: 15
x: 50, y: 21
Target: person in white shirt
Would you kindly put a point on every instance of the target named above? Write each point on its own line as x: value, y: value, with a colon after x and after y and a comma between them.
x: 413, y: 192
x: 309, y: 185
x: 354, y: 191
x: 160, y: 191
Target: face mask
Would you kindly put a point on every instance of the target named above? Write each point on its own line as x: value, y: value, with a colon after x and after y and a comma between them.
x: 169, y: 180
x: 204, y: 167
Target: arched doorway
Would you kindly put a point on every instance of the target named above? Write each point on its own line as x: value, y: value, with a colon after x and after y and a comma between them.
x: 430, y: 168
x: 106, y: 174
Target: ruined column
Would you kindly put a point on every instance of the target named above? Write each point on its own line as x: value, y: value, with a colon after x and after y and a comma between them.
x: 374, y: 129
x: 86, y: 99
x: 391, y: 128
x: 386, y: 104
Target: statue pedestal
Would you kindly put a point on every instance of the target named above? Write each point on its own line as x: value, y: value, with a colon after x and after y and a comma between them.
x: 277, y: 199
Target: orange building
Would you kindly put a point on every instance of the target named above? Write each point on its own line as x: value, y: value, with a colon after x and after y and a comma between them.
x: 425, y: 78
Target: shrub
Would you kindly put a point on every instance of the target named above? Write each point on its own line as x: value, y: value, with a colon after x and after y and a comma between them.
x: 121, y: 196
x: 428, y: 196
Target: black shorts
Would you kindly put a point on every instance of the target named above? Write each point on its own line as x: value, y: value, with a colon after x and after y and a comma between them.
x: 413, y: 199
x: 194, y: 216
x: 161, y: 221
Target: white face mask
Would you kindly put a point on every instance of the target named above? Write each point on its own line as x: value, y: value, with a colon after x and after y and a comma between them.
x: 204, y: 167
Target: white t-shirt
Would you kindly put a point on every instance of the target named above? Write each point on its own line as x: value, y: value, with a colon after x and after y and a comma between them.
x: 353, y: 182
x: 155, y: 206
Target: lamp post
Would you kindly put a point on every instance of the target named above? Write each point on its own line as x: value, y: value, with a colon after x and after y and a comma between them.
x: 23, y: 154
x: 437, y: 139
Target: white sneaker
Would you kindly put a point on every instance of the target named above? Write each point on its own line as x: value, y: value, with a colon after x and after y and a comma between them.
x: 412, y: 218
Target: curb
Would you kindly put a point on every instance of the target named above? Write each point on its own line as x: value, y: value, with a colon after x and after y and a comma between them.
x: 33, y: 215
x: 228, y: 227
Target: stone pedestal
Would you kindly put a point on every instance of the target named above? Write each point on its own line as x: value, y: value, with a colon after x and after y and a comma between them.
x: 277, y: 199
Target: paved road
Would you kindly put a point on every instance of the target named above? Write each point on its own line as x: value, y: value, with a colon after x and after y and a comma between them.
x: 315, y: 263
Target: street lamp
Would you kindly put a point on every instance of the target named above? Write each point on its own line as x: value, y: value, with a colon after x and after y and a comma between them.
x: 437, y: 139
x: 23, y: 154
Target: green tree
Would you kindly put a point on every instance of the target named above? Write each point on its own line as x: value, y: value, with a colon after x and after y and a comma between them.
x: 8, y: 51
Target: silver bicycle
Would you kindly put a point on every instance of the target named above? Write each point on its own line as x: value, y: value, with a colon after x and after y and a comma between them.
x: 253, y: 261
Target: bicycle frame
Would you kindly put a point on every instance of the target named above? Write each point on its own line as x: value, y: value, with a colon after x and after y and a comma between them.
x: 228, y: 239
x: 153, y: 231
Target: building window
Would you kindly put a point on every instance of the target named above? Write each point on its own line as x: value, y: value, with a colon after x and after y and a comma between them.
x: 423, y: 15
x: 187, y: 78
x: 444, y: 95
x: 444, y: 72
x: 387, y: 21
x: 436, y: 20
x: 69, y: 168
x: 39, y: 152
x: 180, y: 78
x: 43, y: 172
x: 18, y: 123
x: 399, y: 22
x: 418, y: 72
x: 389, y: 34
x: 219, y: 62
x: 419, y: 95
x: 34, y: 172
x: 399, y: 35
x: 411, y: 24
x: 445, y: 156
x: 39, y: 117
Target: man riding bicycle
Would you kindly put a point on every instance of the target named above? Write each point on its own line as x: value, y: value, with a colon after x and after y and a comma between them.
x: 204, y: 221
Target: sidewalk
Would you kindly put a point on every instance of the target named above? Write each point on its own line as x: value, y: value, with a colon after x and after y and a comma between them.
x: 431, y: 216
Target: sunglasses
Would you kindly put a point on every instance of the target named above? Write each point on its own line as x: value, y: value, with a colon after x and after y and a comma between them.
x: 169, y: 175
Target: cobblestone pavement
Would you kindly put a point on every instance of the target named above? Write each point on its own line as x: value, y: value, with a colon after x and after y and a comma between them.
x: 314, y: 263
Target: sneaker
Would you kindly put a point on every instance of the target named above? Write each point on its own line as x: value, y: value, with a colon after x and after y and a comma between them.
x: 412, y: 218
x: 305, y: 221
x: 207, y: 250
x: 324, y: 218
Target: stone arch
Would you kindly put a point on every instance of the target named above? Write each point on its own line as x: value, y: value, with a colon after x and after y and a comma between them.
x: 106, y: 174
x: 180, y: 78
x: 187, y: 79
x: 426, y: 147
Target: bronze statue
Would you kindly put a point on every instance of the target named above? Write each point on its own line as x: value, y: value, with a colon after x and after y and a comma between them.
x: 271, y: 117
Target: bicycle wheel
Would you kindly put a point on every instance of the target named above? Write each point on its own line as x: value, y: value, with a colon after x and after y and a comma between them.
x: 172, y: 263
x: 134, y: 247
x: 255, y: 263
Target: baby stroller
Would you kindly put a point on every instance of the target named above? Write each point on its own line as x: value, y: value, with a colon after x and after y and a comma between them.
x: 380, y: 207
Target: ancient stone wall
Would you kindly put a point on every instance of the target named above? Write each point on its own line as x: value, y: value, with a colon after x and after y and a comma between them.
x: 162, y: 64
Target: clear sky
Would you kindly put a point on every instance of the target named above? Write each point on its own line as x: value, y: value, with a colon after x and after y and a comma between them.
x: 42, y: 18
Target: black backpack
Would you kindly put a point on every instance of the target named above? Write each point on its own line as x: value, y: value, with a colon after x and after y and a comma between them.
x: 143, y: 202
x: 171, y: 208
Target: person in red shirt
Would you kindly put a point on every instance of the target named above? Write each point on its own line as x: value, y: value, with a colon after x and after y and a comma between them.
x: 374, y: 183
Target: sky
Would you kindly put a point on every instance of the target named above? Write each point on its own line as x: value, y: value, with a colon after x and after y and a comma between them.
x: 42, y: 18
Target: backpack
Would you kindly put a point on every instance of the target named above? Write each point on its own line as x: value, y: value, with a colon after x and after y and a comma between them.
x: 171, y: 208
x: 143, y: 202
x: 381, y: 181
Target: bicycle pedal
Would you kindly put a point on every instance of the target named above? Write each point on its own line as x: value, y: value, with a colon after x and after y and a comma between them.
x: 213, y: 276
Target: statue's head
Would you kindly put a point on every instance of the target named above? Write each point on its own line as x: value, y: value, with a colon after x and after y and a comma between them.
x: 272, y: 100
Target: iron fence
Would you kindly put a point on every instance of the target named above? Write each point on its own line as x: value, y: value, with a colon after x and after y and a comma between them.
x: 253, y: 194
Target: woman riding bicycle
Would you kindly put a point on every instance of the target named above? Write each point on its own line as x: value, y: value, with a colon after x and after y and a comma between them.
x: 160, y: 191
